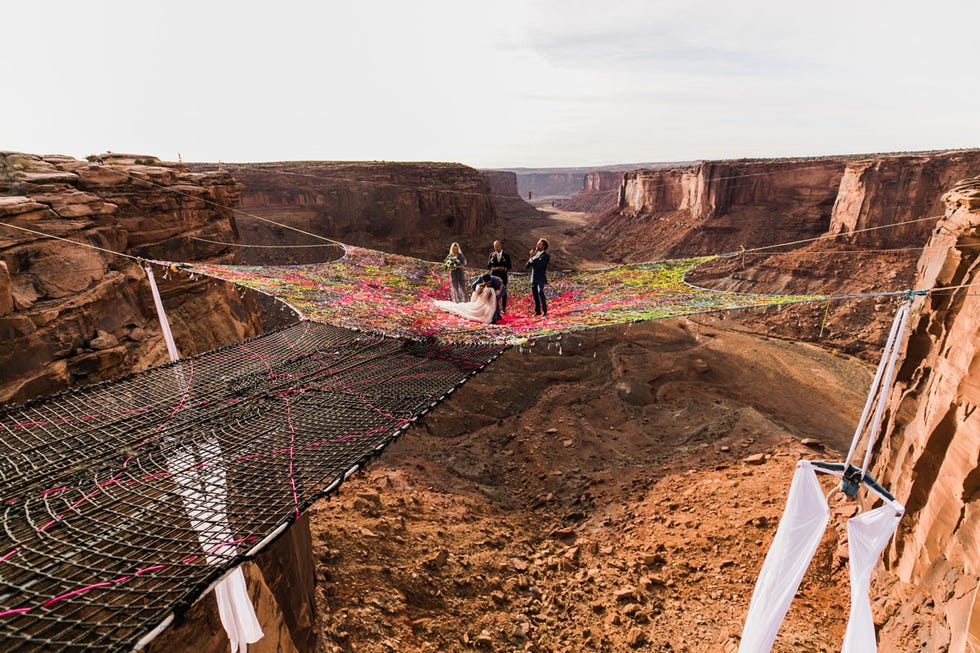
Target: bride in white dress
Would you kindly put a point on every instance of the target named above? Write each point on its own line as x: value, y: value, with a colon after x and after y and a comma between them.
x: 481, y: 307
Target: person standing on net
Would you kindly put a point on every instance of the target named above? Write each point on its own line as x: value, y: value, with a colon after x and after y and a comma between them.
x: 457, y: 275
x: 499, y: 265
x: 538, y: 263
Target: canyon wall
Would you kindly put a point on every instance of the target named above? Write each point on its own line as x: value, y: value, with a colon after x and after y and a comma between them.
x: 503, y: 183
x: 929, y: 455
x: 600, y: 193
x: 511, y: 208
x: 410, y: 208
x: 718, y: 206
x: 897, y: 189
x: 70, y: 314
x: 549, y: 183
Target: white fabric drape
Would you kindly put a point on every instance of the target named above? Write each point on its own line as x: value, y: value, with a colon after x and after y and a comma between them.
x: 162, y: 316
x: 867, y: 535
x: 236, y: 612
x: 199, y: 474
x: 797, y: 537
x: 481, y: 307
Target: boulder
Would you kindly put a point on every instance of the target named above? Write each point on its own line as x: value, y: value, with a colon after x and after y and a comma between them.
x: 103, y: 340
x: 21, y: 207
x: 95, y: 362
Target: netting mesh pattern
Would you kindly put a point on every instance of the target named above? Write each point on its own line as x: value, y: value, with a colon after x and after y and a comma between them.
x: 391, y: 294
x: 123, y: 502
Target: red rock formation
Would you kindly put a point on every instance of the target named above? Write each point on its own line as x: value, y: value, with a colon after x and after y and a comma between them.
x: 411, y: 208
x: 600, y: 193
x: 718, y: 206
x: 930, y: 451
x: 510, y: 207
x: 71, y: 314
x: 889, y: 190
x: 503, y: 183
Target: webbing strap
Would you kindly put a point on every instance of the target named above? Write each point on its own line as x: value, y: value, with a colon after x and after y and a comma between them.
x: 168, y: 337
x: 879, y: 387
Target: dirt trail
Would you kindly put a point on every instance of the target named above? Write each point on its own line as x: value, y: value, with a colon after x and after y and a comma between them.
x: 563, y: 230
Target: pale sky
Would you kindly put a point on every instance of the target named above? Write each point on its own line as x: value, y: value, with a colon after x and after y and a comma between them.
x: 507, y: 83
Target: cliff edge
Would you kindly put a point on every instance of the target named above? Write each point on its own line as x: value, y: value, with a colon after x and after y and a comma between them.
x: 930, y: 450
x: 71, y: 314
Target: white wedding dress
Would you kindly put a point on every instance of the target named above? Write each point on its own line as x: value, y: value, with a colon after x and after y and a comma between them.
x: 481, y: 307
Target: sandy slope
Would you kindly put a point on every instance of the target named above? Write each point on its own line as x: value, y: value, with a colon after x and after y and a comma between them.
x: 592, y: 496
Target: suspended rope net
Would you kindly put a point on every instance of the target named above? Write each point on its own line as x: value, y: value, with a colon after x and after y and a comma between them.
x: 373, y: 291
x: 124, y: 502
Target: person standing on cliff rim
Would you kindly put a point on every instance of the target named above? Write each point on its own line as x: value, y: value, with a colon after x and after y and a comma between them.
x: 499, y: 265
x: 457, y: 276
x: 538, y: 263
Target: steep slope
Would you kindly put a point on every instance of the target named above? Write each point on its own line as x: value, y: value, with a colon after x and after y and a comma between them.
x: 930, y: 453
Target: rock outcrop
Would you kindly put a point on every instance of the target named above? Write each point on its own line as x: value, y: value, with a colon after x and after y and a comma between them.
x: 600, y: 193
x: 503, y: 183
x: 930, y: 450
x: 897, y: 189
x: 718, y: 206
x: 412, y: 208
x: 71, y: 314
x: 510, y: 205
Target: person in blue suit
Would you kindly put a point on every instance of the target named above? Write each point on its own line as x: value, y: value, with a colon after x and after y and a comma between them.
x: 538, y: 263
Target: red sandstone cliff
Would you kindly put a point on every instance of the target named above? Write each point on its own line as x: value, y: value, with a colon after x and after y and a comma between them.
x: 70, y: 314
x: 895, y: 189
x: 412, y: 208
x: 510, y: 205
x: 600, y: 193
x: 718, y: 206
x: 930, y: 452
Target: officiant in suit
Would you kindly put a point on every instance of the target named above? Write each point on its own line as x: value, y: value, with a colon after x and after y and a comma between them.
x: 499, y: 266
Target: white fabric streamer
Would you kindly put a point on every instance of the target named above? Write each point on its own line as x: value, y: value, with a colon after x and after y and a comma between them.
x: 800, y: 531
x: 205, y: 492
x: 867, y: 535
x: 168, y: 337
x: 199, y: 474
x: 236, y: 612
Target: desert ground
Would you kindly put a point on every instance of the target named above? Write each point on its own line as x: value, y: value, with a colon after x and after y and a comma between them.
x: 613, y: 490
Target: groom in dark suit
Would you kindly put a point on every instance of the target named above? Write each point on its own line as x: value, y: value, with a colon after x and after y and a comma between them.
x: 498, y: 287
x: 538, y: 262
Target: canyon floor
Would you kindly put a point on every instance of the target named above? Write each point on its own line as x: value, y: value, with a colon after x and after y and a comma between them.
x: 609, y: 491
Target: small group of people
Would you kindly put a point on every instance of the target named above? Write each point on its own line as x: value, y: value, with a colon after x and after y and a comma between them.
x: 486, y: 300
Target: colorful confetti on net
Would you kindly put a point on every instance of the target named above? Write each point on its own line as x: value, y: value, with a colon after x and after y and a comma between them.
x: 374, y: 291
